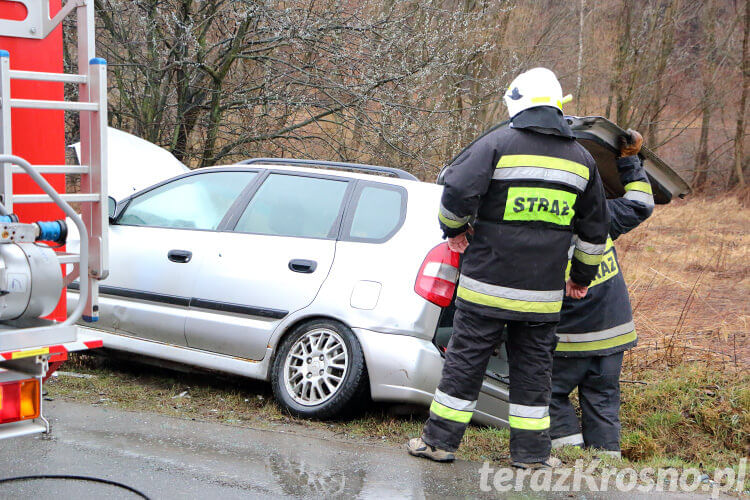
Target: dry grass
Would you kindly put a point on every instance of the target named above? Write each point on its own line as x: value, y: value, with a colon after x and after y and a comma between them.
x: 688, y: 270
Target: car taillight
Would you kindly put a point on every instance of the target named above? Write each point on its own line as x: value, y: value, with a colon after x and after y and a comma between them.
x: 437, y: 277
x: 19, y: 400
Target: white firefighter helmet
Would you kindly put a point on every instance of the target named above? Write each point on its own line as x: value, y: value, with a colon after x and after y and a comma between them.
x: 534, y: 88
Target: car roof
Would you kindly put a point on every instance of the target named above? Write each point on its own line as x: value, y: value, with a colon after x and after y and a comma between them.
x: 332, y: 171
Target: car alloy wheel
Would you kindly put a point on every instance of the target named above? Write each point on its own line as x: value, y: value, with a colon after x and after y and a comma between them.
x: 315, y: 367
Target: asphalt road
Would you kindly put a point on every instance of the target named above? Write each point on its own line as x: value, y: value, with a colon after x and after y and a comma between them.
x: 172, y: 458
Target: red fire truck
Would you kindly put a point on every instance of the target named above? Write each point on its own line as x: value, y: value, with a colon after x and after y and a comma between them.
x: 36, y: 333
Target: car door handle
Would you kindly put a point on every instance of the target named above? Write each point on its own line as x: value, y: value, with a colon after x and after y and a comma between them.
x: 303, y: 266
x: 180, y: 256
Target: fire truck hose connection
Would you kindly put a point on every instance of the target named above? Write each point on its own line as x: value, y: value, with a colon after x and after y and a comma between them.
x: 53, y: 231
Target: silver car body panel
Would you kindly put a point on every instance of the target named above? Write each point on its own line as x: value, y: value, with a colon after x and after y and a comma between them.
x: 129, y: 343
x: 252, y: 270
x: 394, y: 266
x: 407, y: 369
x: 145, y: 266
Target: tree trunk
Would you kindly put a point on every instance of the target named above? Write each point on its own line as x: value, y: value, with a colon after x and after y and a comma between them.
x: 739, y: 138
x: 700, y: 171
x: 579, y: 78
x: 214, y: 120
x: 708, y: 49
x: 622, y: 101
x: 665, y: 51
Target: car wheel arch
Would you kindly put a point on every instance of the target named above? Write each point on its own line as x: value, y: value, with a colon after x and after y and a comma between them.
x: 355, y: 382
x: 278, y: 336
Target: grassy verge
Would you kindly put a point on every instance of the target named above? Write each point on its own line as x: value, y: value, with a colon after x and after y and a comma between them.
x: 689, y: 416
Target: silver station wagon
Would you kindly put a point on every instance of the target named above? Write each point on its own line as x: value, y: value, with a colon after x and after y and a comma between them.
x: 330, y: 280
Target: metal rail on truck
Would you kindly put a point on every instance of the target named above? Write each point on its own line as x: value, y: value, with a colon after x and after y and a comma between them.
x: 31, y: 348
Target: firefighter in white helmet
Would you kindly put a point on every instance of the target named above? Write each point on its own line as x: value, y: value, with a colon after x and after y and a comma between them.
x: 523, y: 190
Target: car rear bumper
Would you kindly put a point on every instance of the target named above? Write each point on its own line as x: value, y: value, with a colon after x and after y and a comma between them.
x: 407, y: 369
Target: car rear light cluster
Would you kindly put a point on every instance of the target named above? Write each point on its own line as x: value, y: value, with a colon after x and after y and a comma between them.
x: 438, y: 275
x: 19, y: 400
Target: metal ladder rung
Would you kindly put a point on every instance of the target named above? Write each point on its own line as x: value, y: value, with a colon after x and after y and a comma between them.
x: 67, y: 258
x: 55, y: 169
x: 43, y: 198
x: 64, y: 105
x: 48, y: 77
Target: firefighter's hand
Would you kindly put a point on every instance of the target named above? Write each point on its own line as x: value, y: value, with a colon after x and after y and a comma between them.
x: 575, y: 291
x: 631, y: 144
x: 459, y: 243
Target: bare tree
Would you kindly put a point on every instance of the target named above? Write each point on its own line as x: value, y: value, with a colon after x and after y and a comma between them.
x: 579, y: 72
x: 714, y: 57
x: 218, y: 80
x: 409, y: 82
x: 739, y: 137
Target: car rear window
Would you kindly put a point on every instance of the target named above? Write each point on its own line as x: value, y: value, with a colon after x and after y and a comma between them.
x: 293, y: 205
x: 378, y: 213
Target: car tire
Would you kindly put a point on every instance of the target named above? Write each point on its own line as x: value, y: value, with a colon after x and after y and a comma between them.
x: 314, y: 395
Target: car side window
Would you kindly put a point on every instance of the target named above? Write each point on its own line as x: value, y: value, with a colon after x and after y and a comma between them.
x: 378, y: 213
x: 195, y: 202
x: 293, y: 205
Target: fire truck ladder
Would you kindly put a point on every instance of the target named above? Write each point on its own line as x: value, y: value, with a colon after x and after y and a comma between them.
x: 92, y: 105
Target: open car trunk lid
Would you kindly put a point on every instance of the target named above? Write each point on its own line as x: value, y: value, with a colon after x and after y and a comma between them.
x: 600, y: 136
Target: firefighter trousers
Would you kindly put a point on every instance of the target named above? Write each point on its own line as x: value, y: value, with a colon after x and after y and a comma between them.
x: 530, y: 346
x: 598, y: 382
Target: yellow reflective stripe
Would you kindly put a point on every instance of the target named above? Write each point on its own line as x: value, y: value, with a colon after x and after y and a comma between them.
x: 540, y: 99
x: 608, y: 267
x: 591, y: 260
x: 639, y: 186
x: 449, y: 413
x: 508, y: 161
x: 529, y: 424
x: 540, y: 204
x: 453, y: 224
x: 509, y: 304
x: 596, y: 345
x: 29, y: 353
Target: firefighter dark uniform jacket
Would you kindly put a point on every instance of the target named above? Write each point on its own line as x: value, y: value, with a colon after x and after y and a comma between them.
x: 526, y: 189
x: 602, y: 322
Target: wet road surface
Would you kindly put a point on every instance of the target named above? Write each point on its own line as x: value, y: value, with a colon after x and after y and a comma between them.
x: 169, y: 458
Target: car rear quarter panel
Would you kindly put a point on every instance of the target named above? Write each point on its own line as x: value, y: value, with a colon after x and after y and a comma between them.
x: 391, y: 266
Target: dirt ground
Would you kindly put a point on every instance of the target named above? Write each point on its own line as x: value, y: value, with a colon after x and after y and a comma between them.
x: 688, y: 271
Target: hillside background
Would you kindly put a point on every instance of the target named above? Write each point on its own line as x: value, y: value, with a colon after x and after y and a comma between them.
x: 408, y: 83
